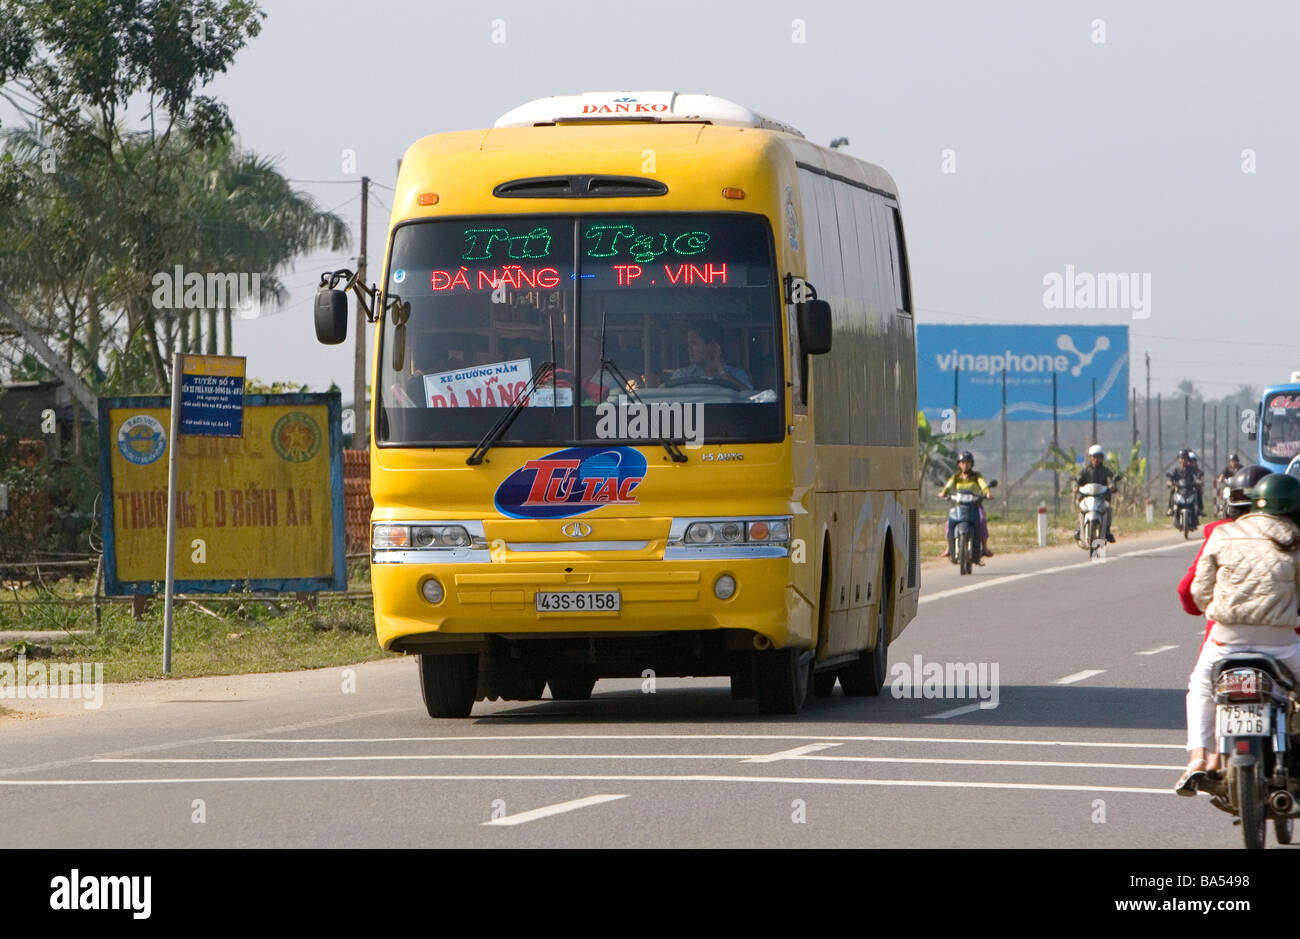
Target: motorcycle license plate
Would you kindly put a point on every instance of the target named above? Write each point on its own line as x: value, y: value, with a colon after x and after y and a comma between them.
x: 1243, y: 720
x: 578, y: 601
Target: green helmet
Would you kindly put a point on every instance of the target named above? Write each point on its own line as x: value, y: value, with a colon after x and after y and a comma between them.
x: 1276, y: 494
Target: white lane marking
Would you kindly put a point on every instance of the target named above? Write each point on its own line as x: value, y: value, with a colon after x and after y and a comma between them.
x: 980, y: 585
x: 790, y: 754
x: 799, y: 753
x: 872, y: 738
x: 955, y: 712
x: 1156, y: 651
x: 742, y: 757
x: 778, y: 780
x: 1079, y: 676
x: 946, y: 762
x: 546, y: 811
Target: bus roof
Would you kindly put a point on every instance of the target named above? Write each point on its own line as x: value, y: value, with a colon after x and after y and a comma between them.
x: 640, y: 106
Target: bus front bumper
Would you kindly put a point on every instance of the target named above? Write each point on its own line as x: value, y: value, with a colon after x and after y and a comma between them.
x: 486, y: 599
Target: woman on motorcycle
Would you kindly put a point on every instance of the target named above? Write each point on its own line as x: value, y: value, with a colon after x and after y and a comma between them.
x: 966, y: 479
x: 1248, y: 582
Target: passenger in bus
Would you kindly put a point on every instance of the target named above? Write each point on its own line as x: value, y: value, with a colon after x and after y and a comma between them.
x: 704, y: 348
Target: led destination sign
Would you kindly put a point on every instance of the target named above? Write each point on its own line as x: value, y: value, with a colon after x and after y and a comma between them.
x: 616, y: 253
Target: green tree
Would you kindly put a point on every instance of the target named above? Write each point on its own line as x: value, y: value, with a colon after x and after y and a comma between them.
x: 938, y: 459
x: 71, y: 68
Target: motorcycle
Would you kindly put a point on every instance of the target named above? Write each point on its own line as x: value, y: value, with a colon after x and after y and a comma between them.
x: 1094, y: 513
x: 1185, y: 512
x: 965, y: 546
x: 1255, y: 707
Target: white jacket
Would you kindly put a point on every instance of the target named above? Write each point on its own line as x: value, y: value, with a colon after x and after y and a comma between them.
x: 1248, y: 580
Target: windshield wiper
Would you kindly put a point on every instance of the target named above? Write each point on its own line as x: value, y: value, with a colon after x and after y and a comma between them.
x: 498, y: 430
x: 674, y: 451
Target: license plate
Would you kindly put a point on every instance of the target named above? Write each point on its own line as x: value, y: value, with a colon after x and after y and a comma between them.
x: 578, y: 601
x: 1243, y: 720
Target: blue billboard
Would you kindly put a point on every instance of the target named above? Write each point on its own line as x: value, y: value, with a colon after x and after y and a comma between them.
x: 1081, y: 357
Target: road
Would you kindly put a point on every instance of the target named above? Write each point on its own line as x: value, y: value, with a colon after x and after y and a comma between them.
x: 1081, y: 750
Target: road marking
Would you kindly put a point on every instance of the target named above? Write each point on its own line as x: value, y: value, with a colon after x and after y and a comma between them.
x: 775, y: 780
x: 1156, y: 651
x: 547, y: 811
x: 980, y: 585
x: 955, y: 712
x: 1078, y: 676
x: 799, y: 753
x: 790, y: 754
x: 946, y: 762
x: 871, y: 738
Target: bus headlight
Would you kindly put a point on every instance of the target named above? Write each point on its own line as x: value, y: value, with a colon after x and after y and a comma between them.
x: 420, y: 536
x: 732, y: 531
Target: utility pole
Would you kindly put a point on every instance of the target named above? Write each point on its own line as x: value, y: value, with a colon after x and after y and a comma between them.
x: 1146, y: 445
x: 1094, y: 410
x: 1216, y: 436
x: 1203, y: 428
x: 1135, y: 414
x: 1056, y: 444
x: 1006, y: 497
x: 1160, y: 436
x: 360, y: 413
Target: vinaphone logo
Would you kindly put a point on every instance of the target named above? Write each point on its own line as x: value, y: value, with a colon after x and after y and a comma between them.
x: 1074, y: 363
x: 572, y: 482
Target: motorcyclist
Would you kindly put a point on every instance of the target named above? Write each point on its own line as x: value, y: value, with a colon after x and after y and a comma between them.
x: 967, y: 480
x: 1247, y: 581
x: 1185, y: 473
x: 1233, y: 467
x: 1096, y: 471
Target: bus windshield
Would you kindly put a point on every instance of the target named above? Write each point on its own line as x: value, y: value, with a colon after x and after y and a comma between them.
x: 1279, y: 427
x: 637, y: 312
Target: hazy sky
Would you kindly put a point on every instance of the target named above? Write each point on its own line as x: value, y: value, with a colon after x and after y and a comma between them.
x: 1123, y: 156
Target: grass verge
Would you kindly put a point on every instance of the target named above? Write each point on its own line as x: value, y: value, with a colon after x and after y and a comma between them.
x: 210, y: 635
x: 1021, y: 534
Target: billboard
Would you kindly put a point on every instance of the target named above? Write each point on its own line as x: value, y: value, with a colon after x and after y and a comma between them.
x: 1081, y: 358
x: 264, y: 510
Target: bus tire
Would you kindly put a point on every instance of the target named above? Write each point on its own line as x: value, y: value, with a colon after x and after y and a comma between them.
x: 573, y: 688
x: 823, y: 684
x: 866, y: 676
x: 781, y: 680
x: 449, y: 684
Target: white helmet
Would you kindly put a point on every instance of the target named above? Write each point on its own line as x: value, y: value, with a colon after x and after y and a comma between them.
x: 1096, y: 450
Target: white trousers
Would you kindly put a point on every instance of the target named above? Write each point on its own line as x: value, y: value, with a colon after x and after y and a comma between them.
x: 1200, y: 689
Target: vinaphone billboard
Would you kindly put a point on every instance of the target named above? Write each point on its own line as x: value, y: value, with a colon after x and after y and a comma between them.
x: 264, y: 510
x: 1090, y: 365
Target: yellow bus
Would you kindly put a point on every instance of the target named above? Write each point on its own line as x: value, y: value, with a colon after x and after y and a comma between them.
x: 645, y: 399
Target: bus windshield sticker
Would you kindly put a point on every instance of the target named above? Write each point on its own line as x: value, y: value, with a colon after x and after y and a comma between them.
x: 495, y: 385
x: 572, y: 482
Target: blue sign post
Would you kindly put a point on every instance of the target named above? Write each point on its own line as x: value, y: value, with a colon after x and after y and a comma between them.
x: 961, y: 367
x: 212, y: 395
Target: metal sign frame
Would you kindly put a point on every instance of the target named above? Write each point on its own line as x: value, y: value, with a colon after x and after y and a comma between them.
x: 338, y: 579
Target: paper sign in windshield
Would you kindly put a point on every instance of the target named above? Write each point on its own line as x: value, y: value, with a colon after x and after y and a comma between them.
x: 495, y: 385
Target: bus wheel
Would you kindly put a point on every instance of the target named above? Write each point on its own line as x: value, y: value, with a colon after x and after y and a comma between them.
x: 449, y: 684
x: 574, y: 688
x: 781, y: 679
x: 866, y: 676
x: 823, y: 684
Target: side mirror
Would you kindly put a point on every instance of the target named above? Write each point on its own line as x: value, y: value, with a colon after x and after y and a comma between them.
x: 331, y: 316
x: 814, y: 326
x: 993, y: 484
